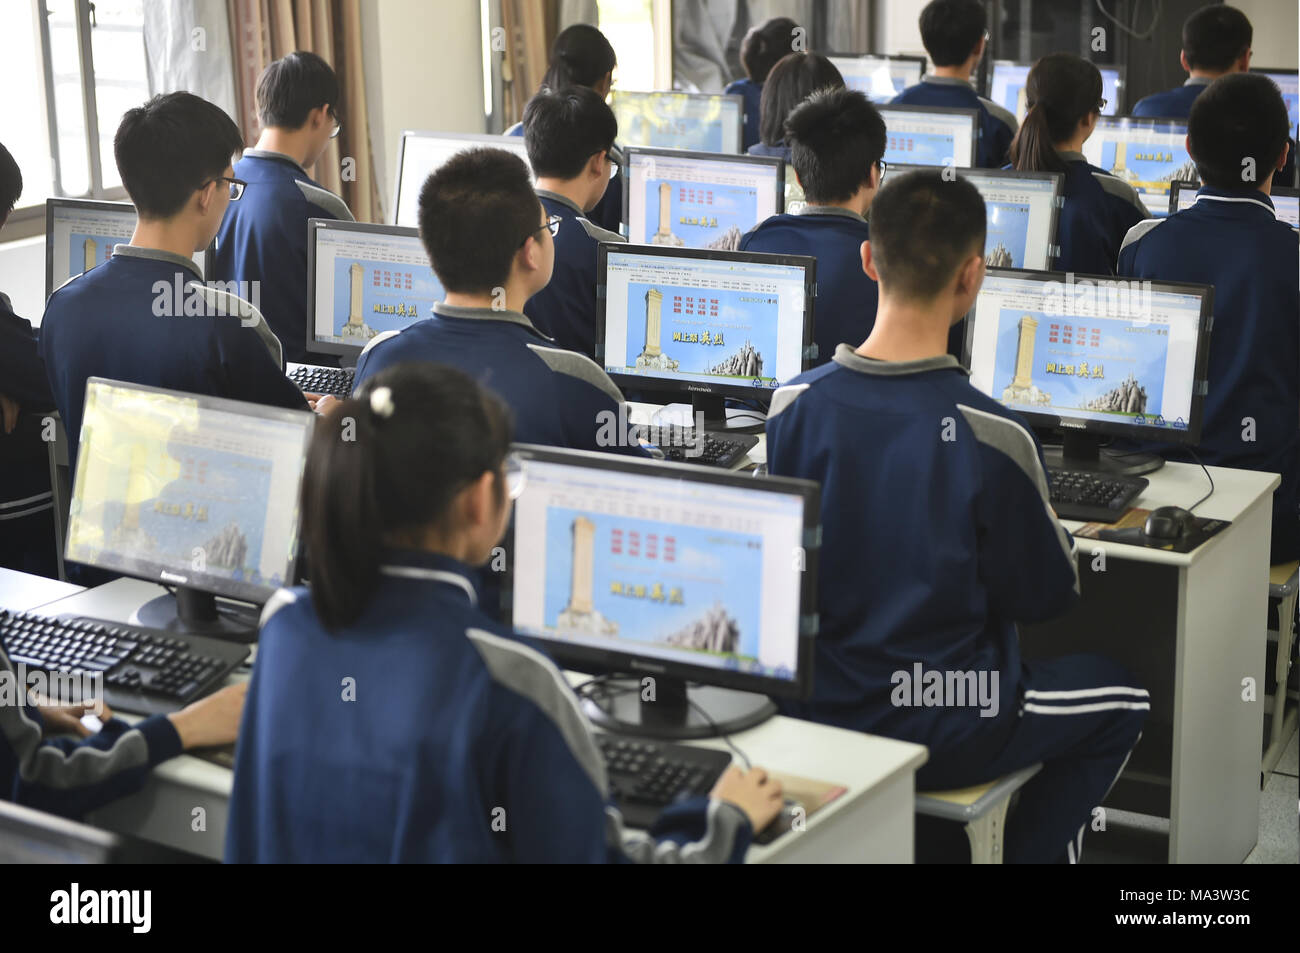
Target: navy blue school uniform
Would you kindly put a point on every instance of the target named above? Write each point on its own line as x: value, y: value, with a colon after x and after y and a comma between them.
x: 781, y: 151
x: 461, y: 744
x: 106, y: 323
x: 559, y: 397
x: 608, y: 213
x: 566, y: 308
x: 26, y: 505
x: 845, y: 309
x: 938, y: 539
x: 1097, y: 211
x: 997, y: 126
x: 263, y: 238
x: 1234, y: 241
x: 752, y: 93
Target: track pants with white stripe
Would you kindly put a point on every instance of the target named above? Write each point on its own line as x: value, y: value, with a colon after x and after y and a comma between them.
x: 1080, y: 716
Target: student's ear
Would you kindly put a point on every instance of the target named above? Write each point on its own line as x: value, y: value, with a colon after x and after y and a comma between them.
x: 1281, y: 164
x: 479, y: 504
x: 868, y: 263
x: 1182, y: 59
x: 969, y: 277
x: 596, y: 165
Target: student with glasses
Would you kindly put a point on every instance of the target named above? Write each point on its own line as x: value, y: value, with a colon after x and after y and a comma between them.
x: 264, y: 236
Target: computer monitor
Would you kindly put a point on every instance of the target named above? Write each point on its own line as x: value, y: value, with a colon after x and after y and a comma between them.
x: 696, y: 199
x: 420, y: 153
x: 930, y: 135
x: 1148, y: 154
x: 29, y: 836
x: 795, y: 200
x: 1285, y: 201
x: 1095, y: 357
x: 1022, y: 210
x: 1288, y: 81
x: 702, y: 323
x: 879, y: 78
x: 81, y: 233
x: 195, y: 492
x: 1006, y: 87
x: 671, y: 572
x: 699, y: 122
x: 363, y: 280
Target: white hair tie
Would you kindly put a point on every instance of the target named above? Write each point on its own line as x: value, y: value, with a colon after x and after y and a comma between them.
x: 381, y: 402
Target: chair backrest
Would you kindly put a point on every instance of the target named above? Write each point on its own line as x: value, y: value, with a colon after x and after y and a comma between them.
x: 60, y: 482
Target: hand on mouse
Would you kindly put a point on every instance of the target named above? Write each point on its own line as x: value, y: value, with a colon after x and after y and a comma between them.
x: 754, y: 791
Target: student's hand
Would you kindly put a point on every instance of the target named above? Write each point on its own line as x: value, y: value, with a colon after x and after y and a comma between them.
x: 324, y: 405
x: 312, y: 399
x: 753, y: 791
x: 213, y: 720
x: 66, y: 719
x: 9, y: 413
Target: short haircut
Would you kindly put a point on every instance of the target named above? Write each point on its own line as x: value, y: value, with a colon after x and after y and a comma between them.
x: 1215, y: 37
x: 291, y: 87
x: 580, y: 56
x: 171, y: 146
x: 476, y: 211
x: 923, y: 226
x: 951, y: 29
x: 835, y: 137
x: 1240, y: 116
x: 793, y: 78
x: 11, y: 182
x: 563, y: 128
x: 765, y: 44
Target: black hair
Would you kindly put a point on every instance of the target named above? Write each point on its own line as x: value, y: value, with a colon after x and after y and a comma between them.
x: 1239, y: 116
x: 369, y: 476
x: 1060, y: 90
x: 923, y: 226
x: 476, y: 210
x: 1215, y: 37
x: 11, y: 183
x: 563, y: 128
x: 291, y: 87
x: 794, y: 77
x: 171, y: 146
x: 835, y: 137
x: 951, y: 29
x: 580, y: 56
x: 765, y: 44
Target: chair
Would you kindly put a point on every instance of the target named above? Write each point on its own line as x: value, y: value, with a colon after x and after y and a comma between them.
x: 59, y: 487
x: 981, y: 809
x: 1283, y: 585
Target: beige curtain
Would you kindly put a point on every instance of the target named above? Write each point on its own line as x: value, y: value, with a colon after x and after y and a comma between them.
x: 530, y: 29
x: 265, y: 30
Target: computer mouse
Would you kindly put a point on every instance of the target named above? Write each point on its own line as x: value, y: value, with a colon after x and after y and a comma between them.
x: 1169, y: 522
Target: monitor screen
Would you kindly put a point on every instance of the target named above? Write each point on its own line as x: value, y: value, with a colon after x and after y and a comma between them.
x: 195, y: 491
x: 1007, y: 87
x: 420, y: 153
x: 1289, y: 82
x: 880, y: 78
x: 920, y: 135
x: 364, y: 280
x: 1286, y: 202
x: 1098, y: 354
x: 1148, y: 154
x: 696, y: 200
x: 795, y: 200
x: 690, y: 570
x: 703, y: 321
x: 700, y: 122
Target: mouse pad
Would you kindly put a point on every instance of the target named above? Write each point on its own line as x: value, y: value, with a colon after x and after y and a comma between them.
x: 1128, y: 530
x: 805, y: 793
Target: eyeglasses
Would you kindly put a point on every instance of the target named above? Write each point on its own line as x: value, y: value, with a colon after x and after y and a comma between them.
x: 1101, y: 105
x: 615, y: 160
x: 552, y: 223
x: 883, y: 167
x: 515, y: 478
x: 338, y: 126
x: 237, y: 186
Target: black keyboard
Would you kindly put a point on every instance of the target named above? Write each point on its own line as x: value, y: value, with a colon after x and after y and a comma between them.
x: 315, y: 379
x: 684, y: 445
x: 647, y: 776
x: 147, y: 671
x: 1090, y: 496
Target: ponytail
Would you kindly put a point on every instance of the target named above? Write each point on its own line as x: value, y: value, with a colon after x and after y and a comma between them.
x: 1032, y: 149
x: 1062, y: 90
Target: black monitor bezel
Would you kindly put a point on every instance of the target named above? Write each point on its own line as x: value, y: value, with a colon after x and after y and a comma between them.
x: 738, y: 100
x: 587, y: 658
x: 687, y: 389
x: 973, y: 114
x: 1119, y: 68
x: 1191, y: 436
x: 202, y: 582
x: 1178, y: 186
x: 470, y: 139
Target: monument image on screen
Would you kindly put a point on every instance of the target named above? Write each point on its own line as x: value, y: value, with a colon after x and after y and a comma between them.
x: 698, y: 215
x: 704, y: 331
x: 371, y: 297
x: 86, y: 251
x: 1008, y: 229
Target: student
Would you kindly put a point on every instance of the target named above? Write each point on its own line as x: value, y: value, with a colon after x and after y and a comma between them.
x: 582, y: 56
x: 836, y: 139
x: 792, y: 80
x: 145, y: 316
x: 955, y: 33
x: 26, y: 505
x: 762, y: 46
x: 461, y: 743
x: 264, y: 235
x: 490, y: 242
x: 1064, y: 96
x: 569, y: 133
x: 938, y: 539
x: 1231, y: 238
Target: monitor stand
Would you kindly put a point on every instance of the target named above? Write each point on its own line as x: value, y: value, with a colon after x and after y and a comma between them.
x: 716, y: 415
x: 678, y: 712
x: 1083, y: 451
x: 194, y: 612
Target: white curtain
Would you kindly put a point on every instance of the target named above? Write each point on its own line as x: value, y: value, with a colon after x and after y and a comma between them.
x: 187, y: 47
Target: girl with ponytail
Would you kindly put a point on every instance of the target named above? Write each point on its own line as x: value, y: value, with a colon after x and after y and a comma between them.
x: 1063, y: 93
x: 388, y: 717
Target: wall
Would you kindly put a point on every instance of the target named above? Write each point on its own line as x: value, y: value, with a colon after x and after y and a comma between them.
x: 1277, y: 31
x: 22, y: 275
